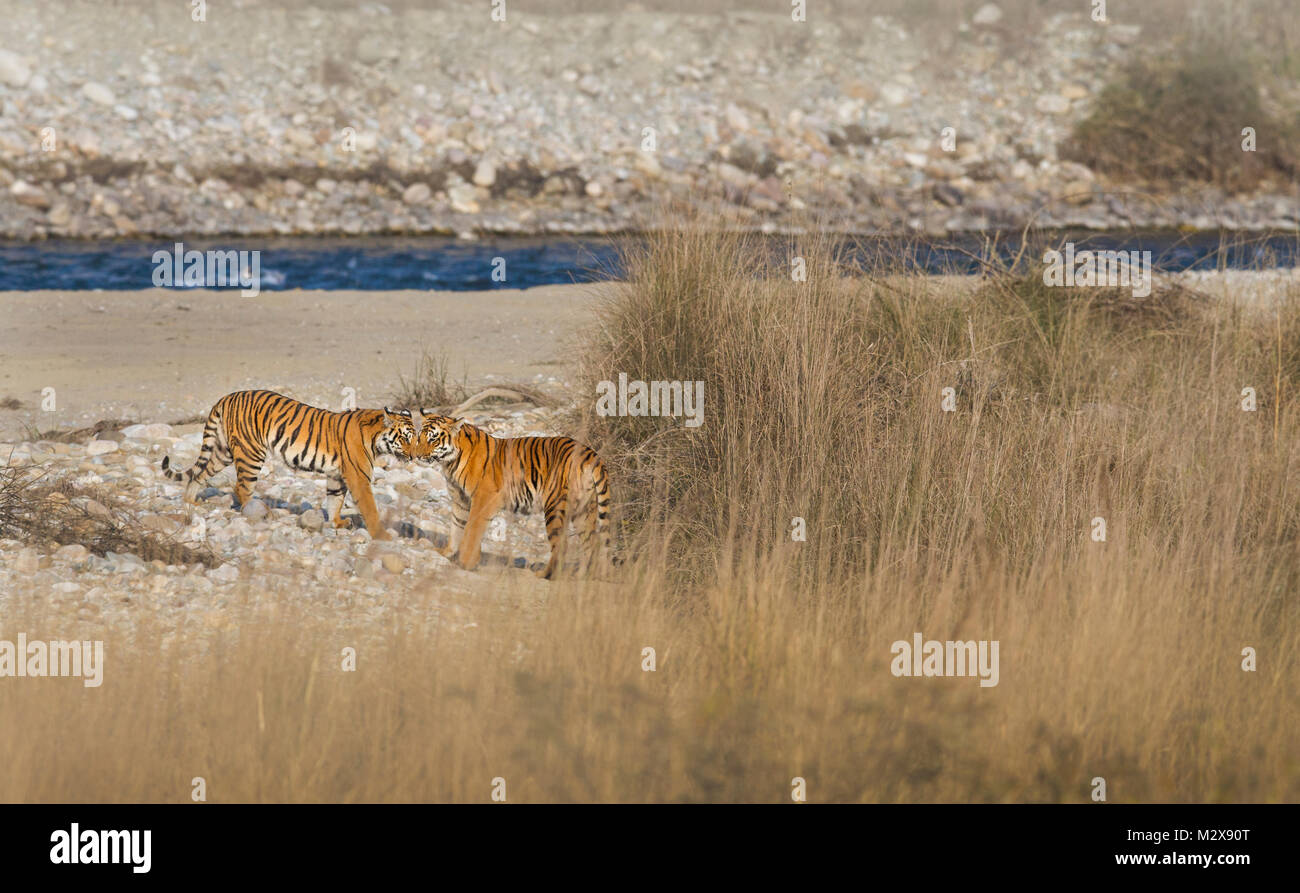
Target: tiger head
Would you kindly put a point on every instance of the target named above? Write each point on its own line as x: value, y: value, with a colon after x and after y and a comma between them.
x: 438, y: 440
x: 398, y: 433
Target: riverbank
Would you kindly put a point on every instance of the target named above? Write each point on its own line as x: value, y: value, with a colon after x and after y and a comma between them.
x: 160, y: 355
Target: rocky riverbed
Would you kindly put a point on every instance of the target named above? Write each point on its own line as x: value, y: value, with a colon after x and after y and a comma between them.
x: 275, y: 118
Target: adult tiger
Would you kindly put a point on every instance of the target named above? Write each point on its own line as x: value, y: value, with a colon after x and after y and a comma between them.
x: 243, y: 426
x: 554, y: 475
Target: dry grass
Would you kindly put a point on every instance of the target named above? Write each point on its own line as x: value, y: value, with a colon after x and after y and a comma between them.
x: 42, y: 510
x: 1118, y: 659
x: 1177, y: 117
x: 431, y: 384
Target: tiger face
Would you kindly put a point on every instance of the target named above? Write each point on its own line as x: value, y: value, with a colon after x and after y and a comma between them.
x: 437, y: 439
x: 399, y: 433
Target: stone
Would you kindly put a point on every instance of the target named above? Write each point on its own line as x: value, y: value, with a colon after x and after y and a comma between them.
x: 73, y: 552
x: 485, y: 174
x: 1052, y: 104
x: 14, y: 71
x: 464, y: 198
x: 159, y: 524
x: 894, y: 94
x: 101, y: 447
x: 986, y: 15
x: 373, y: 49
x: 227, y: 573
x: 947, y: 194
x: 98, y: 93
x: 417, y: 194
x: 27, y: 194
x: 312, y: 520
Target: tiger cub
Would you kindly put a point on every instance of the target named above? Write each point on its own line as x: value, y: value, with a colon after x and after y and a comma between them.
x: 243, y: 426
x: 554, y: 475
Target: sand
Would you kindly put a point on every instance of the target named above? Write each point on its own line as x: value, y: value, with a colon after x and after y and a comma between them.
x: 161, y: 355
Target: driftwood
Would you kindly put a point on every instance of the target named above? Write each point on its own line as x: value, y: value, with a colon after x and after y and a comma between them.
x: 504, y: 393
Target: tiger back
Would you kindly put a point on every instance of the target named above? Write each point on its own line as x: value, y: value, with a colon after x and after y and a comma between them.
x: 555, y: 476
x: 244, y: 426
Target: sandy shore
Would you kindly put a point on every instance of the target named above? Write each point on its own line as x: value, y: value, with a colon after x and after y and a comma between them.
x: 162, y: 355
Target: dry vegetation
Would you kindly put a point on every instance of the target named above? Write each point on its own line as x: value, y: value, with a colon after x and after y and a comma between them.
x: 1177, y: 117
x: 1118, y: 659
x: 39, y: 509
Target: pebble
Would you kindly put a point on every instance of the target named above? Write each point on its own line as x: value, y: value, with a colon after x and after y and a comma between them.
x: 585, y: 145
x: 417, y: 194
x: 73, y: 552
x: 98, y: 93
x: 226, y: 573
x: 1052, y: 104
x: 14, y: 70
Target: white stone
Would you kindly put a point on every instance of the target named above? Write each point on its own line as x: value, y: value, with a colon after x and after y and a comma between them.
x: 98, y: 93
x: 73, y: 552
x: 894, y: 94
x: 14, y: 70
x: 417, y: 194
x: 485, y: 174
x: 1052, y: 104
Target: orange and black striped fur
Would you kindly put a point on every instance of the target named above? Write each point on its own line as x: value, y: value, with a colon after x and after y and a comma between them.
x: 242, y: 427
x: 554, y: 475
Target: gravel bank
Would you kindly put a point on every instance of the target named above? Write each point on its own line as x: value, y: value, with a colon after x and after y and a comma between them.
x: 272, y: 118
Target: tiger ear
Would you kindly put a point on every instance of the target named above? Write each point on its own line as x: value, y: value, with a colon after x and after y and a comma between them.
x: 388, y: 418
x: 460, y: 423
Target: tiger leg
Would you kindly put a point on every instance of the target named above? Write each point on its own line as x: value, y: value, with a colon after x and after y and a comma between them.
x: 205, y: 468
x: 247, y: 468
x: 601, y: 512
x: 460, y: 517
x: 213, y: 457
x: 591, y: 533
x: 335, y: 490
x: 556, y: 518
x: 482, y: 508
x: 359, y: 486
